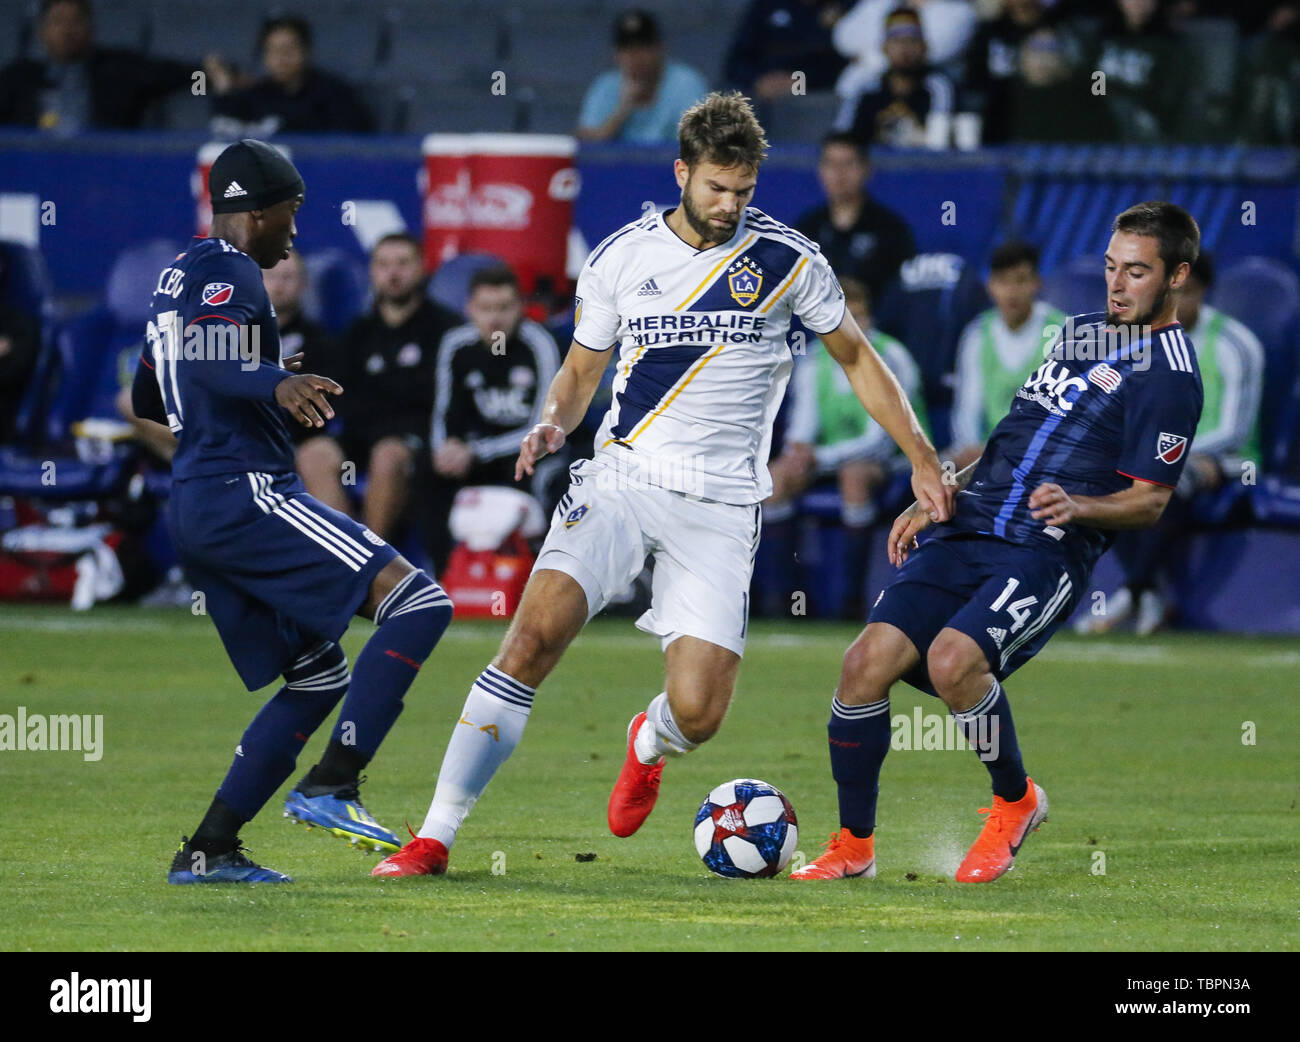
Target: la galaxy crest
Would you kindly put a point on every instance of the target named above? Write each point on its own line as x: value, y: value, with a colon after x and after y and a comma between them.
x: 576, y: 515
x: 745, y: 280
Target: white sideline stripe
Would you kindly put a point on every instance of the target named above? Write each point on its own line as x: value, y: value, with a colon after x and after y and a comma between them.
x: 327, y: 530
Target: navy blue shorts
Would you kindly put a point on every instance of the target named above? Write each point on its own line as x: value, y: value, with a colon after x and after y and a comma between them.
x: 279, y: 571
x: 1006, y: 597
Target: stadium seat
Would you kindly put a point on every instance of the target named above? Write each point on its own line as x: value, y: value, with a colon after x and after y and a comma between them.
x: 123, y: 23
x: 1077, y: 287
x: 132, y: 280
x: 15, y: 31
x: 927, y: 307
x: 441, y: 44
x: 183, y: 30
x: 24, y: 280
x: 450, y: 283
x: 799, y: 120
x: 345, y: 37
x: 337, y: 289
x: 1264, y: 294
x: 457, y: 109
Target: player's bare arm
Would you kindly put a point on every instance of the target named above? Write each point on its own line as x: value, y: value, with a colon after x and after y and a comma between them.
x: 881, y: 395
x: 1138, y: 506
x: 567, y: 401
x: 915, y: 519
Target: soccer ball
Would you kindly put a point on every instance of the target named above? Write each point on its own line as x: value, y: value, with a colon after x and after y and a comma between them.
x: 746, y: 829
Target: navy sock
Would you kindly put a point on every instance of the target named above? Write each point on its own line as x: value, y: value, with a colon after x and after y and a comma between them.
x: 411, y: 621
x: 991, y: 732
x: 859, y: 740
x: 269, y: 748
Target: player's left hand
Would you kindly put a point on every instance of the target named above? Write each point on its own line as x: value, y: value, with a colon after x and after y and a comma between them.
x: 1052, y: 505
x: 933, y: 493
x: 902, y: 537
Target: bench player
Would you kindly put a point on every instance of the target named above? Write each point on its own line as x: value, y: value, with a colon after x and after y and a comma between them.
x: 281, y: 574
x: 699, y: 300
x: 1094, y: 442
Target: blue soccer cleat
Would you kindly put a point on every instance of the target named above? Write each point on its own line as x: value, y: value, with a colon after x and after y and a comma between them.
x: 340, y: 812
x: 192, y: 866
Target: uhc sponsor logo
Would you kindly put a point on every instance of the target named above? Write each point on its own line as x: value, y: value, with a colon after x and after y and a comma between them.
x: 1170, y: 447
x: 218, y: 293
x: 1104, y: 377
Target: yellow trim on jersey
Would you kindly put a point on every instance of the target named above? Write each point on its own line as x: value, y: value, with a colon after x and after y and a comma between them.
x: 720, y: 265
x: 789, y: 282
x: 680, y: 387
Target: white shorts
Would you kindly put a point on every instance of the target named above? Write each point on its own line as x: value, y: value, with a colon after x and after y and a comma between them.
x: 604, y: 528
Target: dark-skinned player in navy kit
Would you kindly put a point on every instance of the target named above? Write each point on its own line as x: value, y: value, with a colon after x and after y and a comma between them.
x: 281, y: 574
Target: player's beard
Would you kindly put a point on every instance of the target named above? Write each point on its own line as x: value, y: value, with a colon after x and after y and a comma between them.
x: 1144, y: 319
x: 700, y: 224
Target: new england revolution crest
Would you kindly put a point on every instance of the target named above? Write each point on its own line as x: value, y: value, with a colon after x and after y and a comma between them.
x: 745, y: 280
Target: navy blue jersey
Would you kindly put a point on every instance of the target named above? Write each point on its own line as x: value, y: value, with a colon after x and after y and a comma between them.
x: 1099, y: 412
x: 213, y: 352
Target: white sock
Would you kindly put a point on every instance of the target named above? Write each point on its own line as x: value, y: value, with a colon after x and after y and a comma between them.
x: 489, y: 728
x: 660, y: 735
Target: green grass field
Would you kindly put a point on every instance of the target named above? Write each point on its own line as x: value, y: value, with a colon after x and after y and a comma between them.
x: 1138, y: 744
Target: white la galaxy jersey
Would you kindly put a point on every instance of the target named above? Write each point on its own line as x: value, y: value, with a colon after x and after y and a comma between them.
x: 703, y: 357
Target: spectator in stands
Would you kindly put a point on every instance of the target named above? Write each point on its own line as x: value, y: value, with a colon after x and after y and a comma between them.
x: 895, y: 111
x: 294, y: 97
x: 947, y: 26
x: 993, y: 63
x: 20, y: 343
x: 1226, y: 447
x: 1144, y: 67
x: 493, y: 375
x: 860, y: 237
x: 1053, y: 98
x: 829, y: 435
x: 78, y: 86
x: 1270, y: 85
x: 999, y: 348
x: 386, y: 367
x: 776, y: 38
x: 642, y: 100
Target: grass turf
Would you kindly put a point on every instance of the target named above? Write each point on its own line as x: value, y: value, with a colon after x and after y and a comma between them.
x: 1139, y: 745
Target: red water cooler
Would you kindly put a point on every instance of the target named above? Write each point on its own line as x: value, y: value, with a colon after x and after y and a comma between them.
x: 506, y: 194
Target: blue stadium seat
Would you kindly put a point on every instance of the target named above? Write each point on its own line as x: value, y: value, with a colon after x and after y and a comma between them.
x: 186, y: 30
x: 337, y: 289
x: 927, y: 307
x: 1264, y: 294
x: 450, y: 283
x: 1077, y: 287
x: 132, y: 280
x: 24, y: 280
x: 441, y: 44
x: 799, y: 120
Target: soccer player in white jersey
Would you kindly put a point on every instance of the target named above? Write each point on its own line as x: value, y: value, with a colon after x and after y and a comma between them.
x: 698, y: 301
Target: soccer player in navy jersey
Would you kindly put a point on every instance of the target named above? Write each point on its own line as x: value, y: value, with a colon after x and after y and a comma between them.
x: 281, y: 574
x: 1094, y: 442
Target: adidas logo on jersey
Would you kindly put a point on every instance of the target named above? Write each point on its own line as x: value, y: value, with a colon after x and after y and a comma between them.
x: 234, y: 190
x: 998, y: 634
x: 649, y: 289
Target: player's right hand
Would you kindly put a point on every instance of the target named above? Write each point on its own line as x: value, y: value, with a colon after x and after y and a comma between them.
x: 902, y: 537
x: 542, y: 440
x: 304, y: 398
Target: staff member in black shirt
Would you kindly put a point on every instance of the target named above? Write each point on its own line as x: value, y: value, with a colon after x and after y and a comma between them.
x: 493, y: 375
x: 386, y: 368
x: 858, y: 236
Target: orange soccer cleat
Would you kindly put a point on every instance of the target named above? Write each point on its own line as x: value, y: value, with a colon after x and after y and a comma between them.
x: 1005, y: 829
x: 846, y: 857
x: 637, y: 787
x: 420, y: 857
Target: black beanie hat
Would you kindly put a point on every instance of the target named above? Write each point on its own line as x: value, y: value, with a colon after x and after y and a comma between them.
x: 252, y: 175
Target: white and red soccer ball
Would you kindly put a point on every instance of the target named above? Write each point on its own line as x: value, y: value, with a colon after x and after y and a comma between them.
x: 746, y: 829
